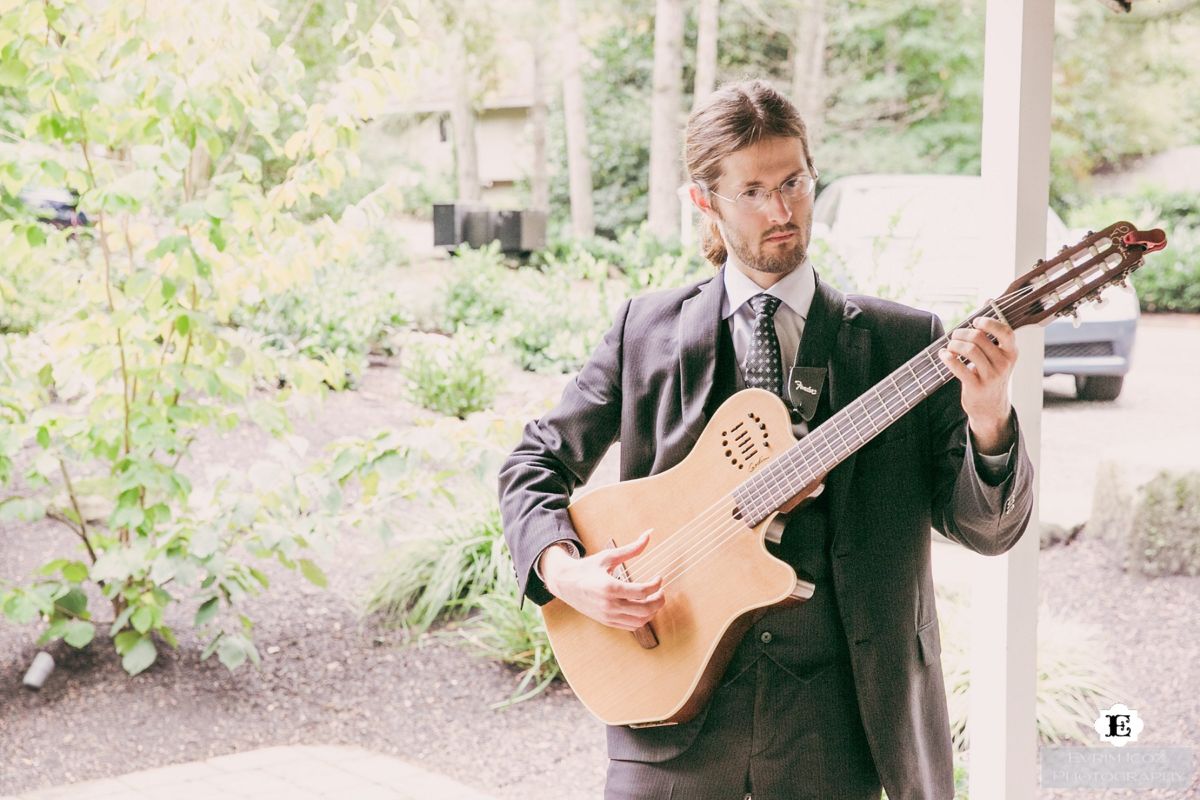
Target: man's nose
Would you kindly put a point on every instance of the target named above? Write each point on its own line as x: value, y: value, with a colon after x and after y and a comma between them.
x: 777, y: 209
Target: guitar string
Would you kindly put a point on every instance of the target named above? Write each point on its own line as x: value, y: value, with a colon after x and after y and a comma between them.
x: 778, y: 467
x: 1008, y: 302
x: 669, y: 554
x: 680, y: 539
x: 684, y: 539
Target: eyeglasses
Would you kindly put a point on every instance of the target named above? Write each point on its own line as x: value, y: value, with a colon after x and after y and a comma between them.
x: 757, y: 198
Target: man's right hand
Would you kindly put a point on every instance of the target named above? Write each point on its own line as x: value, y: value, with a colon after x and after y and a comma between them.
x: 587, y: 585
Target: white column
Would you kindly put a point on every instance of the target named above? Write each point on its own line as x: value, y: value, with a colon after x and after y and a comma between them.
x: 1016, y: 167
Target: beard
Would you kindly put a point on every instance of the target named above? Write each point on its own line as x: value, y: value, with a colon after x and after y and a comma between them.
x: 781, y: 259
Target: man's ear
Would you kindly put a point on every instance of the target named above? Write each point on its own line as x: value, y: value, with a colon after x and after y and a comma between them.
x: 700, y: 200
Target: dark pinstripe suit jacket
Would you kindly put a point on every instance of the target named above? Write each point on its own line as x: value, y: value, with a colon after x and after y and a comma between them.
x: 646, y: 384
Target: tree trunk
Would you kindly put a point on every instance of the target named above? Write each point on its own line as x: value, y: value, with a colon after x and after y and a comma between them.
x: 539, y: 181
x: 706, y: 52
x: 664, y: 119
x: 462, y: 119
x: 579, y: 164
x: 808, y: 68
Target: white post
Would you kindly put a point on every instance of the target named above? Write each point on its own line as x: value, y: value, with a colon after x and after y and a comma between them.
x: 1018, y: 58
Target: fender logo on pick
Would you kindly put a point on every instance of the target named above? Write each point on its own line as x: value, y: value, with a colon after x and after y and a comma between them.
x: 804, y: 390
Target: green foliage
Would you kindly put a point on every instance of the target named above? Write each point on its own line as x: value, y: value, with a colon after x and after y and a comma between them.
x: 505, y: 631
x: 1073, y: 677
x: 554, y: 323
x: 903, y: 90
x: 645, y: 262
x: 1092, y: 125
x: 336, y: 318
x: 451, y: 379
x: 465, y: 575
x: 477, y: 293
x: 1169, y: 280
x: 1165, y: 535
x: 197, y: 170
x: 548, y: 316
x: 441, y: 578
x: 617, y: 97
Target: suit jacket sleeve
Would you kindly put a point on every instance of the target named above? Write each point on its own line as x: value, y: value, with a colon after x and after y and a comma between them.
x: 556, y: 453
x: 986, y: 518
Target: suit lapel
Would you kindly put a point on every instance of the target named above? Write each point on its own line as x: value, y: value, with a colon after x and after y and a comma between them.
x: 699, y: 328
x: 849, y: 377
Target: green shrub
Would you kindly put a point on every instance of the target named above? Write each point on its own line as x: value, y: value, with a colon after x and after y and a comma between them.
x: 337, y: 318
x: 137, y: 360
x: 504, y: 631
x: 642, y: 258
x: 451, y: 379
x: 1165, y: 535
x: 1169, y: 280
x: 441, y: 578
x: 477, y: 294
x: 554, y: 323
x: 465, y: 576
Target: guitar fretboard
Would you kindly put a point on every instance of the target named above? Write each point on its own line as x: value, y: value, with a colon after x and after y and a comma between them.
x: 843, y: 433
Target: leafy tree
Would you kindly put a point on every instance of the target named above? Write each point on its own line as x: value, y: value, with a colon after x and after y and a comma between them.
x: 186, y: 131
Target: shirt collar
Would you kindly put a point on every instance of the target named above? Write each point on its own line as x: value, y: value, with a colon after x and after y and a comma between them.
x: 795, y: 290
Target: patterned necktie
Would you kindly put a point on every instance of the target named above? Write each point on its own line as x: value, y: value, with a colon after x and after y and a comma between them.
x: 763, y: 368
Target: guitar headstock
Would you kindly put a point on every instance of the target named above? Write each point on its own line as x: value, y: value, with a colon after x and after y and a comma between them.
x: 1057, y: 286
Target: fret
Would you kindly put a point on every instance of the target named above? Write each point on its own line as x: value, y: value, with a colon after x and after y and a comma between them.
x: 835, y: 459
x: 882, y: 403
x: 916, y: 377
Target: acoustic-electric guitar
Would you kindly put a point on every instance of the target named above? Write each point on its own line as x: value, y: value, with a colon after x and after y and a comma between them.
x: 728, y: 498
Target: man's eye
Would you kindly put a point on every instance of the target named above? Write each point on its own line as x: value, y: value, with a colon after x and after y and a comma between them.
x: 754, y: 195
x: 792, y: 184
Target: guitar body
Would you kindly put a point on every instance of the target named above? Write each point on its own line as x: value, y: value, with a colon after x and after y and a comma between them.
x: 718, y: 574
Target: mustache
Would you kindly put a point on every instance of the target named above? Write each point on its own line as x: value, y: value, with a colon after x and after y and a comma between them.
x: 778, y: 231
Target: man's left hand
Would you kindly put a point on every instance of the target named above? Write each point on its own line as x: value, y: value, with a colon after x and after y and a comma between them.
x: 984, y: 377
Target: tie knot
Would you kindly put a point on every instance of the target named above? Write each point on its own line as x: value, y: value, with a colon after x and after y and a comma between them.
x: 764, y: 304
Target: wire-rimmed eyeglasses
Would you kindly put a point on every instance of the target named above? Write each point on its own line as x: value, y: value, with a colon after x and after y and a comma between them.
x: 757, y: 197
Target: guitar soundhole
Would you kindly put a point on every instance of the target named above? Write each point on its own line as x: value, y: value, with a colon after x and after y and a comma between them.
x: 743, y: 441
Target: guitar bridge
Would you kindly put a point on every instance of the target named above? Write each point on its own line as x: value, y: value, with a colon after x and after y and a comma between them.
x: 644, y: 635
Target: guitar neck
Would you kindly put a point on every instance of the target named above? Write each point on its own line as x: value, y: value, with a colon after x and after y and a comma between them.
x: 845, y: 432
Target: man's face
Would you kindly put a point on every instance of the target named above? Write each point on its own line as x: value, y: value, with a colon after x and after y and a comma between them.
x: 774, y: 239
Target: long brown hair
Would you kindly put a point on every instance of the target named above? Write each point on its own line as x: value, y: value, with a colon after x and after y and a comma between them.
x: 735, y: 116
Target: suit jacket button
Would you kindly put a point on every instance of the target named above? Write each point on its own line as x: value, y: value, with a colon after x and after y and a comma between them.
x: 765, y: 638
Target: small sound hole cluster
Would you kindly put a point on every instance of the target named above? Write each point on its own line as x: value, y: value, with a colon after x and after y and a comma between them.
x: 741, y: 442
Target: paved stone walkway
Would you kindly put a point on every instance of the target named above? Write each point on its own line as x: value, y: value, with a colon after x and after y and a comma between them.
x: 283, y: 773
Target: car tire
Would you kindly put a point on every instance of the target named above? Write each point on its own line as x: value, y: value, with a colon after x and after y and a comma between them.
x: 1098, y: 387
